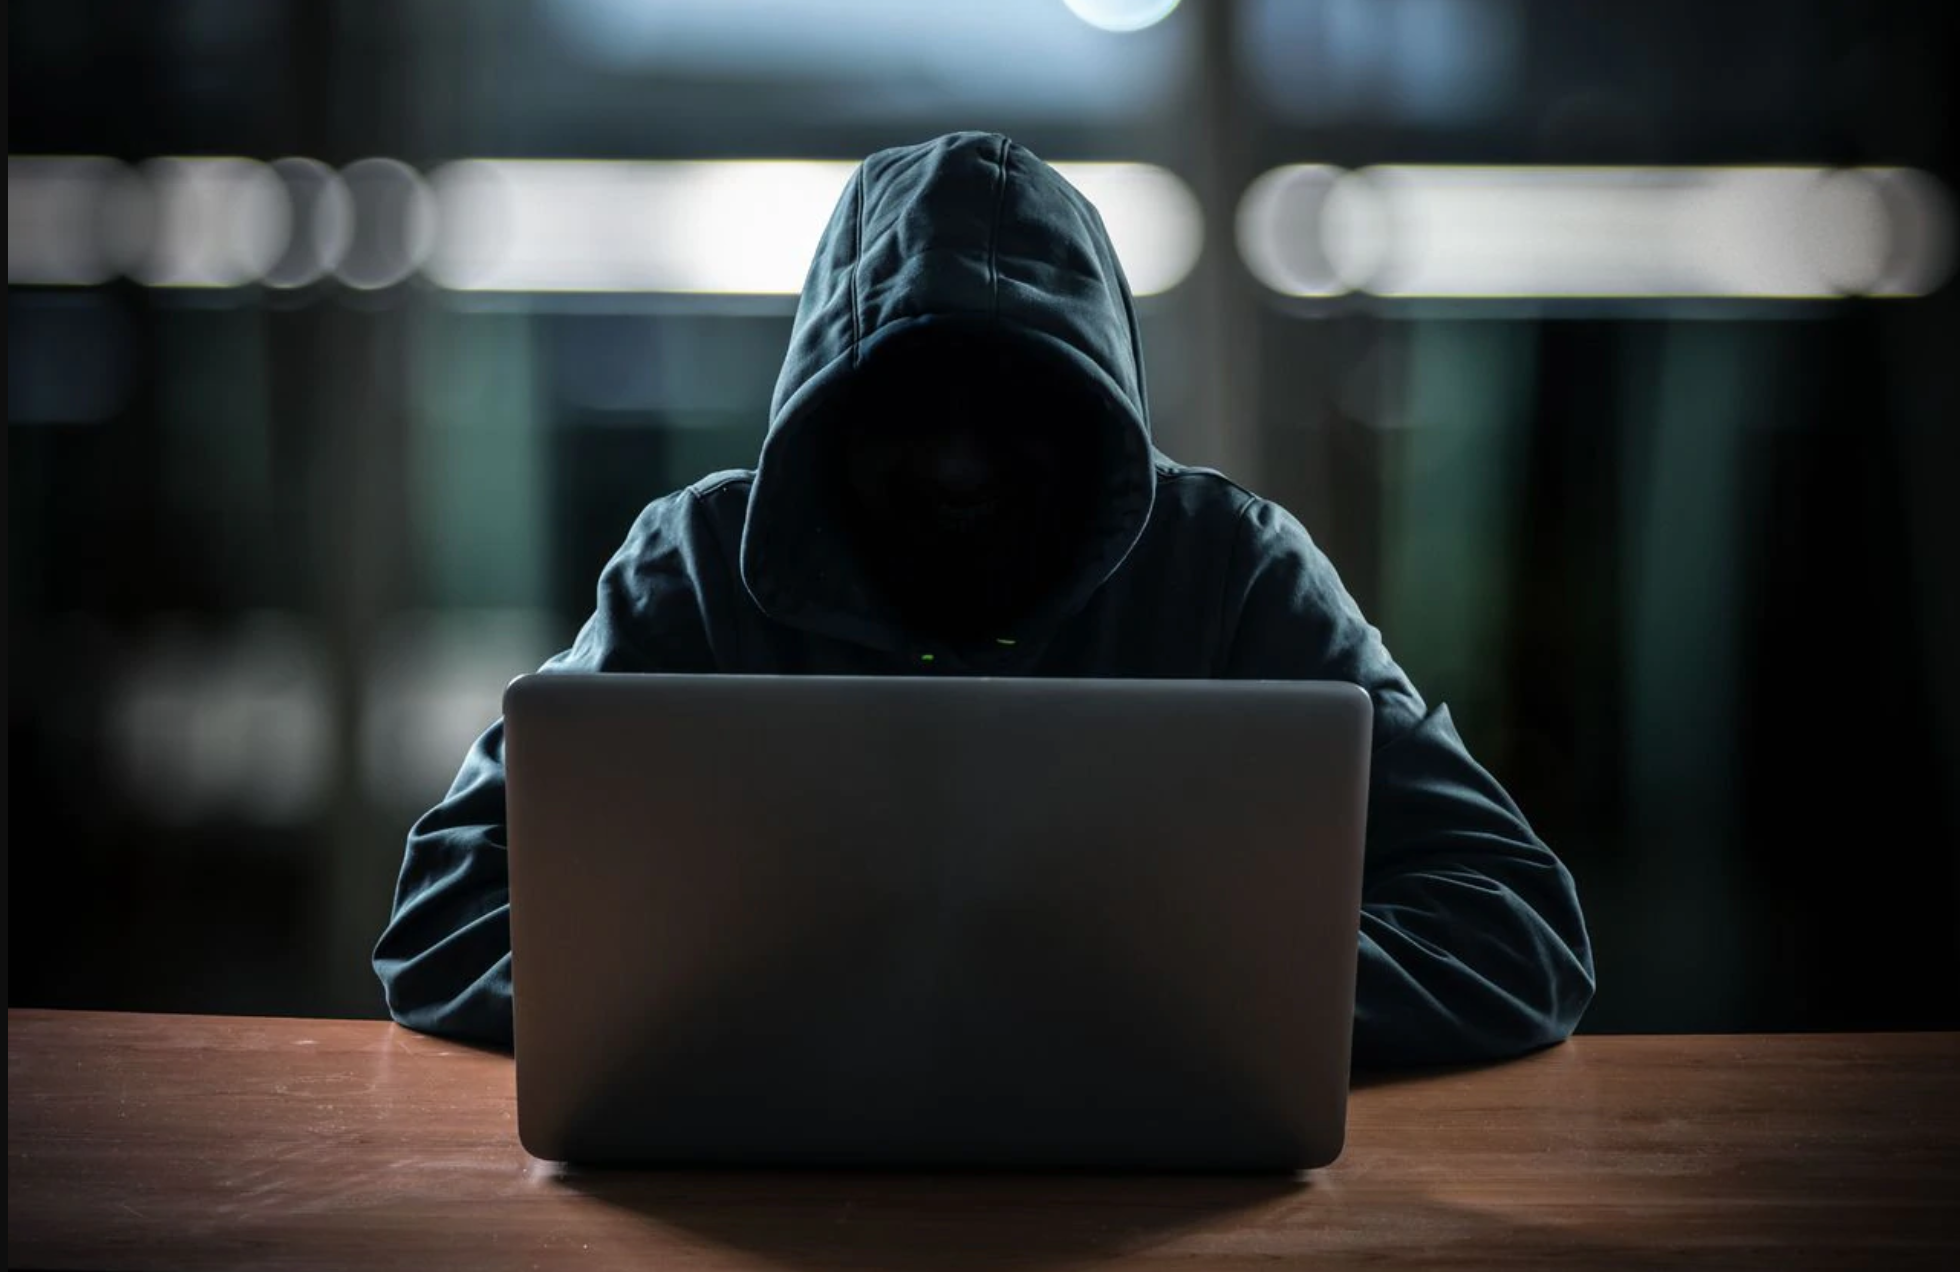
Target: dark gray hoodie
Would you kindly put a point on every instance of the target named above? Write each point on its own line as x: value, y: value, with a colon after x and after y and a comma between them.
x: 1472, y: 941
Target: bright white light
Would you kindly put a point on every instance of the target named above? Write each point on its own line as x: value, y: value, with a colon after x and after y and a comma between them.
x: 212, y: 222
x: 179, y: 222
x: 225, y: 725
x: 734, y: 227
x: 1121, y: 15
x: 1279, y: 230
x: 394, y: 224
x: 737, y: 227
x: 55, y: 212
x: 1465, y: 232
x: 323, y: 222
x: 546, y: 225
x: 1153, y: 220
x: 1921, y: 250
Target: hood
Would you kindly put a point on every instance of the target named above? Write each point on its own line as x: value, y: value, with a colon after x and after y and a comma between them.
x: 970, y: 232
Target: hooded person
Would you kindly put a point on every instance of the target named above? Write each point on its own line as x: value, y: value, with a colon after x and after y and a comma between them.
x: 959, y: 479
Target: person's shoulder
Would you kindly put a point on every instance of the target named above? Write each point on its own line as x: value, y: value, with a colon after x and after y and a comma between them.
x: 729, y: 486
x: 1205, y: 495
x: 673, y: 526
x: 1188, y: 490
x: 698, y: 505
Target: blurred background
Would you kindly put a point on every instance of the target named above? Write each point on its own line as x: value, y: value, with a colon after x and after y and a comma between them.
x: 1610, y: 350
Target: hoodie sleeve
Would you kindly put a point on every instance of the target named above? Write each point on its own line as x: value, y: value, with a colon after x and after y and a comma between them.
x: 444, y: 957
x: 1473, y: 946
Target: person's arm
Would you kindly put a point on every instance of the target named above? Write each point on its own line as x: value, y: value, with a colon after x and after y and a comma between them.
x: 1473, y: 946
x: 444, y: 958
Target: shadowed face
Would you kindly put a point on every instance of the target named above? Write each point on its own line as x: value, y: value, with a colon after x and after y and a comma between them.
x: 969, y: 472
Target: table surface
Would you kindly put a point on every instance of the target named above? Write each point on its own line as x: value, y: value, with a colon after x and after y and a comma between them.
x: 137, y: 1141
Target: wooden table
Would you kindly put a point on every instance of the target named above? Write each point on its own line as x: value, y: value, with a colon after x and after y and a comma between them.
x: 210, y: 1142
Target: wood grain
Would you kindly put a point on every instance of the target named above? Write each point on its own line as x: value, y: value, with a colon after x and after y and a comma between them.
x: 168, y: 1142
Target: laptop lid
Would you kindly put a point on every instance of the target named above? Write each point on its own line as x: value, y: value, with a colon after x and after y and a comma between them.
x: 914, y: 921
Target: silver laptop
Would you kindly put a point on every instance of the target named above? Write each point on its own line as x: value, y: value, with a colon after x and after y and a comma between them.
x: 934, y: 922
